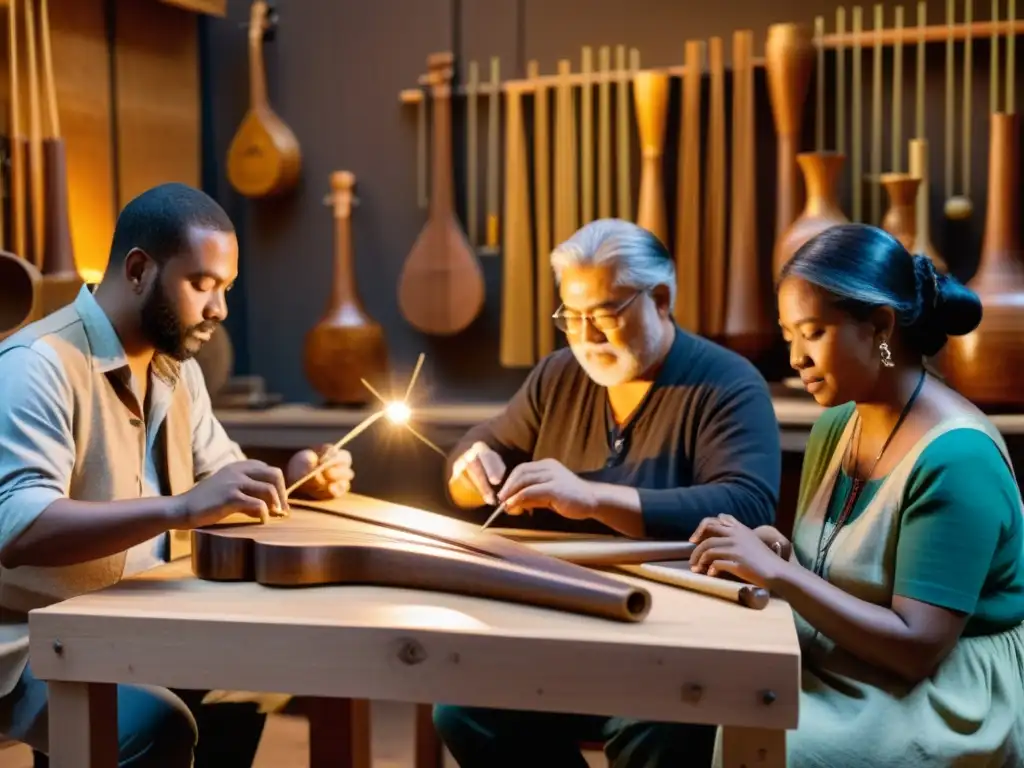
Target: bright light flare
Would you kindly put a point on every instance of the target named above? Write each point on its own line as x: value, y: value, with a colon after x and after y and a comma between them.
x: 398, y: 412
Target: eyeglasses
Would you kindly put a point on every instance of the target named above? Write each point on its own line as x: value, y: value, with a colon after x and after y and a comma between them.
x: 603, y: 322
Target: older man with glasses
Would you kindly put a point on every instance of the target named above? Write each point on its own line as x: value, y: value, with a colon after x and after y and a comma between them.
x: 638, y: 428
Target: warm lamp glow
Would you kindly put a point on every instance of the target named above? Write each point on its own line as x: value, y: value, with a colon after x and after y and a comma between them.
x: 398, y: 412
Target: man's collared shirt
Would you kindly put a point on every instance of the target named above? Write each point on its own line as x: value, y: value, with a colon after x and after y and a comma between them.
x: 36, y: 445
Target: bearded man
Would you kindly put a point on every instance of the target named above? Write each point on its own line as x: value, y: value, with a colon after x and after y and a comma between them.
x: 638, y: 428
x: 109, y: 446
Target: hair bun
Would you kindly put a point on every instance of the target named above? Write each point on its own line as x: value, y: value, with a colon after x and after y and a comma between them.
x: 947, y: 306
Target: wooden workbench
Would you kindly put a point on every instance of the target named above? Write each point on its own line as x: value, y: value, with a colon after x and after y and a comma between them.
x: 694, y: 659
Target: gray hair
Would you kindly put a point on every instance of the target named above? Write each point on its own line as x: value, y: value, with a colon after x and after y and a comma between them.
x: 641, y: 259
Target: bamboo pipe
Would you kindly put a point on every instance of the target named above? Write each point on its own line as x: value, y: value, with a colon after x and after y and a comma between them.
x: 35, y: 144
x: 542, y: 216
x: 493, y: 233
x: 604, y: 134
x: 896, y: 160
x: 586, y: 138
x: 876, y: 118
x: 840, y: 84
x: 856, y: 107
x: 472, y: 154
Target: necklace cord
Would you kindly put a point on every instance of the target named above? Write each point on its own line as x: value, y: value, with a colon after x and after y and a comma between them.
x: 858, y: 484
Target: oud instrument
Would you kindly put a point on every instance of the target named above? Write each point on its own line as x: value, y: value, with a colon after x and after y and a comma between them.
x: 264, y: 157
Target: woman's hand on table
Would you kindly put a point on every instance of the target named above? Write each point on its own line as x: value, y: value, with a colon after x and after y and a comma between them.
x: 725, y: 545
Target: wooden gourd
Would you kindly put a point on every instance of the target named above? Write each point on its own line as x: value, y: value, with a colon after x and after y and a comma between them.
x: 264, y: 158
x: 985, y: 365
x: 900, y: 220
x: 441, y: 287
x: 789, y: 58
x: 821, y: 210
x: 346, y: 345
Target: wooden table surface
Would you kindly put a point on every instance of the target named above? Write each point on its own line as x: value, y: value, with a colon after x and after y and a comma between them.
x: 694, y: 659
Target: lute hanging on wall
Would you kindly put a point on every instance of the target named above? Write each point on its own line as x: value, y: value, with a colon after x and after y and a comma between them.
x: 441, y: 288
x: 264, y: 158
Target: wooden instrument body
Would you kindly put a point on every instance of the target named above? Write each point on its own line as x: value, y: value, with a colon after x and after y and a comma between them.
x: 20, y: 293
x: 346, y: 345
x: 264, y: 158
x: 984, y: 365
x: 354, y: 540
x: 441, y: 288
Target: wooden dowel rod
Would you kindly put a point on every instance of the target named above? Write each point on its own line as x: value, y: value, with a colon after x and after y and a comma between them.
x: 740, y: 592
x: 922, y: 12
x: 841, y: 84
x: 1011, y: 96
x: 472, y: 152
x: 896, y: 161
x: 415, y: 95
x: 993, y: 95
x: 819, y: 85
x: 931, y: 34
x: 586, y: 138
x: 875, y: 160
x: 856, y: 110
x: 604, y: 134
x: 965, y: 170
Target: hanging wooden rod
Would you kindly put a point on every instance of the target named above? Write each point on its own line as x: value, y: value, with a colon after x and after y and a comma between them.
x: 528, y: 85
x: 935, y: 33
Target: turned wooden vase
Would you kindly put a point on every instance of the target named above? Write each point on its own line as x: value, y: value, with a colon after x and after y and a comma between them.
x: 985, y: 365
x: 900, y: 220
x: 821, y: 171
x: 346, y: 345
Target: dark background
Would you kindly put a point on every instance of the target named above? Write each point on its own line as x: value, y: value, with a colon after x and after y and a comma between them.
x: 335, y: 69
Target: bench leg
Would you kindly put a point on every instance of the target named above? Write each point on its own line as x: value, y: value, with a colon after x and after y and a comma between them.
x: 83, y: 725
x: 339, y: 732
x: 753, y: 748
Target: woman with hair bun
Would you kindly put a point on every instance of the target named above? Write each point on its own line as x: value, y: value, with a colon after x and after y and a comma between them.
x: 906, y: 569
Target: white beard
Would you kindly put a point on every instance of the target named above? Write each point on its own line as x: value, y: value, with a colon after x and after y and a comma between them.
x: 626, y: 365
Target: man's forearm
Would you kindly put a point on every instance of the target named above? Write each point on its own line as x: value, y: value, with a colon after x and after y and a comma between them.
x: 618, y: 507
x: 69, y: 532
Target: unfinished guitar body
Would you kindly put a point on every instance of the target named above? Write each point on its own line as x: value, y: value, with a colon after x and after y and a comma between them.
x: 264, y: 157
x: 441, y: 288
x: 356, y: 540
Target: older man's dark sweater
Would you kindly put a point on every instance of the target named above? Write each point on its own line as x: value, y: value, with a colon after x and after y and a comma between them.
x: 704, y: 440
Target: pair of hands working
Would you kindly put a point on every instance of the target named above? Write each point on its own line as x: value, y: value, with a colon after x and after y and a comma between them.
x: 724, y: 544
x: 258, y: 490
x: 545, y: 484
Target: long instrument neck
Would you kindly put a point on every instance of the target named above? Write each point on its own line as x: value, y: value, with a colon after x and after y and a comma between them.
x: 343, y: 289
x: 441, y: 198
x: 257, y: 74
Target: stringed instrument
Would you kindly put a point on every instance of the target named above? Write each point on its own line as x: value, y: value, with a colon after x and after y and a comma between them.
x: 357, y: 540
x: 264, y: 158
x: 346, y: 345
x: 441, y: 288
